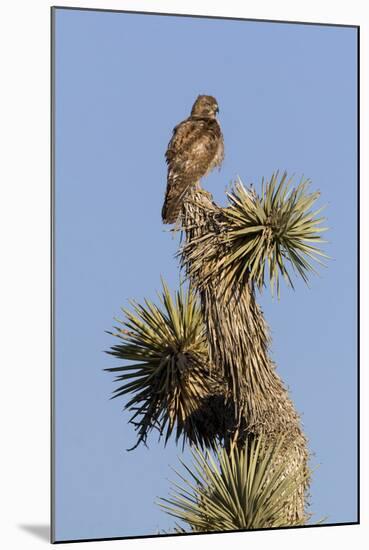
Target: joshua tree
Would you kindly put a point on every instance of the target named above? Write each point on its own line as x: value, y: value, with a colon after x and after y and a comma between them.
x: 201, y: 364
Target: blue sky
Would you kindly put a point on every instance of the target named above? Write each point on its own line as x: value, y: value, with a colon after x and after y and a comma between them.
x: 287, y: 97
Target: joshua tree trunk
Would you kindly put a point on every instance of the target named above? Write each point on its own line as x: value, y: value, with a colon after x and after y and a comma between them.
x: 238, y: 340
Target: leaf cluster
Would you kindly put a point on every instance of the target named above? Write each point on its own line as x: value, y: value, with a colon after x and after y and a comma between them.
x: 168, y: 374
x: 245, y: 489
x: 272, y: 235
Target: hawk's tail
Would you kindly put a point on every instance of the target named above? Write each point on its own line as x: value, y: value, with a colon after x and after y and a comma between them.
x: 174, y: 195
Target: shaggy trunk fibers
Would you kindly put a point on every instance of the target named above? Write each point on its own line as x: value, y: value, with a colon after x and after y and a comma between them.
x: 254, y: 399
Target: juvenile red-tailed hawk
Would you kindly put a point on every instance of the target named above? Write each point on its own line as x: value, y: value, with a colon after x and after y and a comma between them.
x: 195, y: 149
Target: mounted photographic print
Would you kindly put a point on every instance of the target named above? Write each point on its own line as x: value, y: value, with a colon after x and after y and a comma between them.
x: 205, y: 275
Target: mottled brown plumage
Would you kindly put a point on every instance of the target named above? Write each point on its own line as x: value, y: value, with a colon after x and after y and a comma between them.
x: 195, y: 149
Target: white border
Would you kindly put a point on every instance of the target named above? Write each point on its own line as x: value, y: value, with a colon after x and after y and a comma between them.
x: 24, y: 220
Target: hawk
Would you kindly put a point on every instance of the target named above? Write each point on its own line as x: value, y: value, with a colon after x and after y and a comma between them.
x: 195, y: 149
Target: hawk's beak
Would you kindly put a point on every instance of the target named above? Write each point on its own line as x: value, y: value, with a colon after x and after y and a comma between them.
x: 217, y: 110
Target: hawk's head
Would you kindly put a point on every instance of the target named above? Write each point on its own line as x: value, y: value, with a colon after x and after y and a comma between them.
x: 205, y: 106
